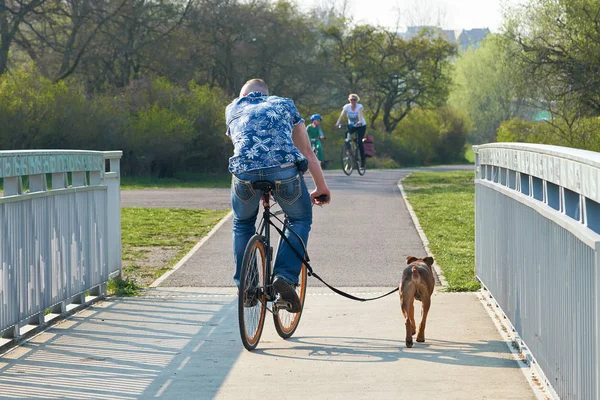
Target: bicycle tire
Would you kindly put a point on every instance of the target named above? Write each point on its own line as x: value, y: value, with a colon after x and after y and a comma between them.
x: 252, y: 303
x: 286, y: 322
x: 347, y: 159
x: 360, y: 169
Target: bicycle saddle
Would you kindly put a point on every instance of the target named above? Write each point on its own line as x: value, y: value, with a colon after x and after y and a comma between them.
x: 265, y: 186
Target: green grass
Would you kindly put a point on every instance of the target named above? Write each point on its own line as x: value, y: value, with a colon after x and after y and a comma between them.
x: 118, y: 286
x: 196, y: 180
x: 469, y: 153
x: 444, y: 202
x: 166, y: 232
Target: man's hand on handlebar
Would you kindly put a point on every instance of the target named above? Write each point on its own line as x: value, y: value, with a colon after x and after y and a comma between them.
x: 320, y: 197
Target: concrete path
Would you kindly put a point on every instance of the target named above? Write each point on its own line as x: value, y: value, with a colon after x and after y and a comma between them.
x: 183, y: 343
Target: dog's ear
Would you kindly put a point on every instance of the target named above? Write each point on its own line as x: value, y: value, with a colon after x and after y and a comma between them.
x: 428, y: 260
x: 410, y: 259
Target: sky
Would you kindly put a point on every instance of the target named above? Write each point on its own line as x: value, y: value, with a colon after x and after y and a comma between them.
x: 449, y: 14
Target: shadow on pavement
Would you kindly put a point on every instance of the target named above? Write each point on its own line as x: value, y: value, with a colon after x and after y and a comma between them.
x: 133, y: 348
x: 364, y: 350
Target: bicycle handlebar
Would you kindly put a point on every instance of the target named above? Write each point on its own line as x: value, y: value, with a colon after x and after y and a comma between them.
x: 340, y: 126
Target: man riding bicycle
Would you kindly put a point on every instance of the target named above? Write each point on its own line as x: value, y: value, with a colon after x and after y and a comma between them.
x: 315, y: 135
x: 271, y: 144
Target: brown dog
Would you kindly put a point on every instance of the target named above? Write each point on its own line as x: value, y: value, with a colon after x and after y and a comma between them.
x: 417, y: 283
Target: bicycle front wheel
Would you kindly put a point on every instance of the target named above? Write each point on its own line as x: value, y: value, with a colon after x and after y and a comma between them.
x: 287, y: 322
x: 252, y: 303
x: 347, y: 159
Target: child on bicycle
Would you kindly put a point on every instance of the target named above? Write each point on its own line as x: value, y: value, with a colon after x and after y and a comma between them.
x: 315, y: 135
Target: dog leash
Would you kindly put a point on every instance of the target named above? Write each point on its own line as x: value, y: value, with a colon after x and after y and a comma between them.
x: 306, y: 262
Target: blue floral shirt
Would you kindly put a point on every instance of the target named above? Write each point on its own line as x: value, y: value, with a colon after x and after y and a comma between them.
x: 261, y: 127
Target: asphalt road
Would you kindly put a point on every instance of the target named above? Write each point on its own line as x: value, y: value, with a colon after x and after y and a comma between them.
x: 219, y: 199
x: 361, y: 239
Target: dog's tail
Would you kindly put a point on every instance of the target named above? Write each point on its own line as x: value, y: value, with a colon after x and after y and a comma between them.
x: 415, y: 274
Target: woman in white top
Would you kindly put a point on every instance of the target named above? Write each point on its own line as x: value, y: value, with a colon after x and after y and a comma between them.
x: 356, y: 121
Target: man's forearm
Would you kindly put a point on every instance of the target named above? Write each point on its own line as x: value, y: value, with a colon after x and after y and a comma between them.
x: 317, y: 173
x: 301, y: 141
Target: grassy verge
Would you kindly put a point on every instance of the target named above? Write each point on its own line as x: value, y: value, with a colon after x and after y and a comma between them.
x: 445, y: 205
x: 470, y: 154
x: 154, y: 239
x: 123, y: 287
x: 196, y: 180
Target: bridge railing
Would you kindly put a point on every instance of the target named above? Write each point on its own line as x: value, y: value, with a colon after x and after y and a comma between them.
x: 60, y: 237
x: 537, y: 229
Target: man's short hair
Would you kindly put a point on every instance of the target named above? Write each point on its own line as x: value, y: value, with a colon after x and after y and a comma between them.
x: 254, y: 85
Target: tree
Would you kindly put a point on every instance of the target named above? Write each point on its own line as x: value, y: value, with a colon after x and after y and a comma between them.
x: 13, y: 13
x: 394, y: 75
x: 559, y: 40
x: 557, y: 46
x: 409, y: 74
x: 123, y: 50
x: 353, y: 52
x: 58, y: 37
x: 487, y: 86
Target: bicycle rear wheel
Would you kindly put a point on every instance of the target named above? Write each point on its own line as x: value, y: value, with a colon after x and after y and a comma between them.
x: 287, y: 322
x: 347, y: 159
x: 360, y: 168
x: 252, y: 304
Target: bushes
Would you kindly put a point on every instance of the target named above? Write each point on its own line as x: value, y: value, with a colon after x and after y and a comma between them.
x: 35, y: 113
x: 520, y: 130
x: 161, y: 128
x: 164, y: 129
x: 426, y: 137
x: 581, y: 133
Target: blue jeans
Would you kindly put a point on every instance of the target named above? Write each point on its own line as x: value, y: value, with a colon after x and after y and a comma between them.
x: 292, y: 195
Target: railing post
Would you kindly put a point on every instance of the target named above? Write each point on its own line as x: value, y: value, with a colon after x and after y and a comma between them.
x: 112, y: 179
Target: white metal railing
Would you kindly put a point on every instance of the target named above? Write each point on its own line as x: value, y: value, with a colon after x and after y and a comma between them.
x: 60, y: 234
x: 537, y: 242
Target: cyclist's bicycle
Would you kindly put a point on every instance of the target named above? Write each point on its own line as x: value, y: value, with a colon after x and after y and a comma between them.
x: 351, y: 154
x: 313, y: 146
x: 256, y: 280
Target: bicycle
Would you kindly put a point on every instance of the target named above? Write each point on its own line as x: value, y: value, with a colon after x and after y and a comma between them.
x: 351, y: 153
x: 256, y: 280
x: 313, y: 146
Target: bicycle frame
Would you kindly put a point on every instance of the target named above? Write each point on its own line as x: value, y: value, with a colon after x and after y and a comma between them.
x: 352, y: 140
x: 264, y: 229
x: 313, y: 145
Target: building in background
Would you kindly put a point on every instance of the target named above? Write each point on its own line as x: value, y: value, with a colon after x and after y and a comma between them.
x: 464, y: 38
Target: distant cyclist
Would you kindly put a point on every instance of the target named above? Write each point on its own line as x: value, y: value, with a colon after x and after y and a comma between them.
x: 316, y: 135
x: 356, y: 121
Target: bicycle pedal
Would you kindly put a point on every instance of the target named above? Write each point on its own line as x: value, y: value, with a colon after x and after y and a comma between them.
x: 282, y: 305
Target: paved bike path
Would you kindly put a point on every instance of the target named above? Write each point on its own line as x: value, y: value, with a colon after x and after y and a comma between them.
x: 361, y: 239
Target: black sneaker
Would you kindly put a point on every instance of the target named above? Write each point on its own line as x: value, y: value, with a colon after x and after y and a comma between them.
x: 287, y: 291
